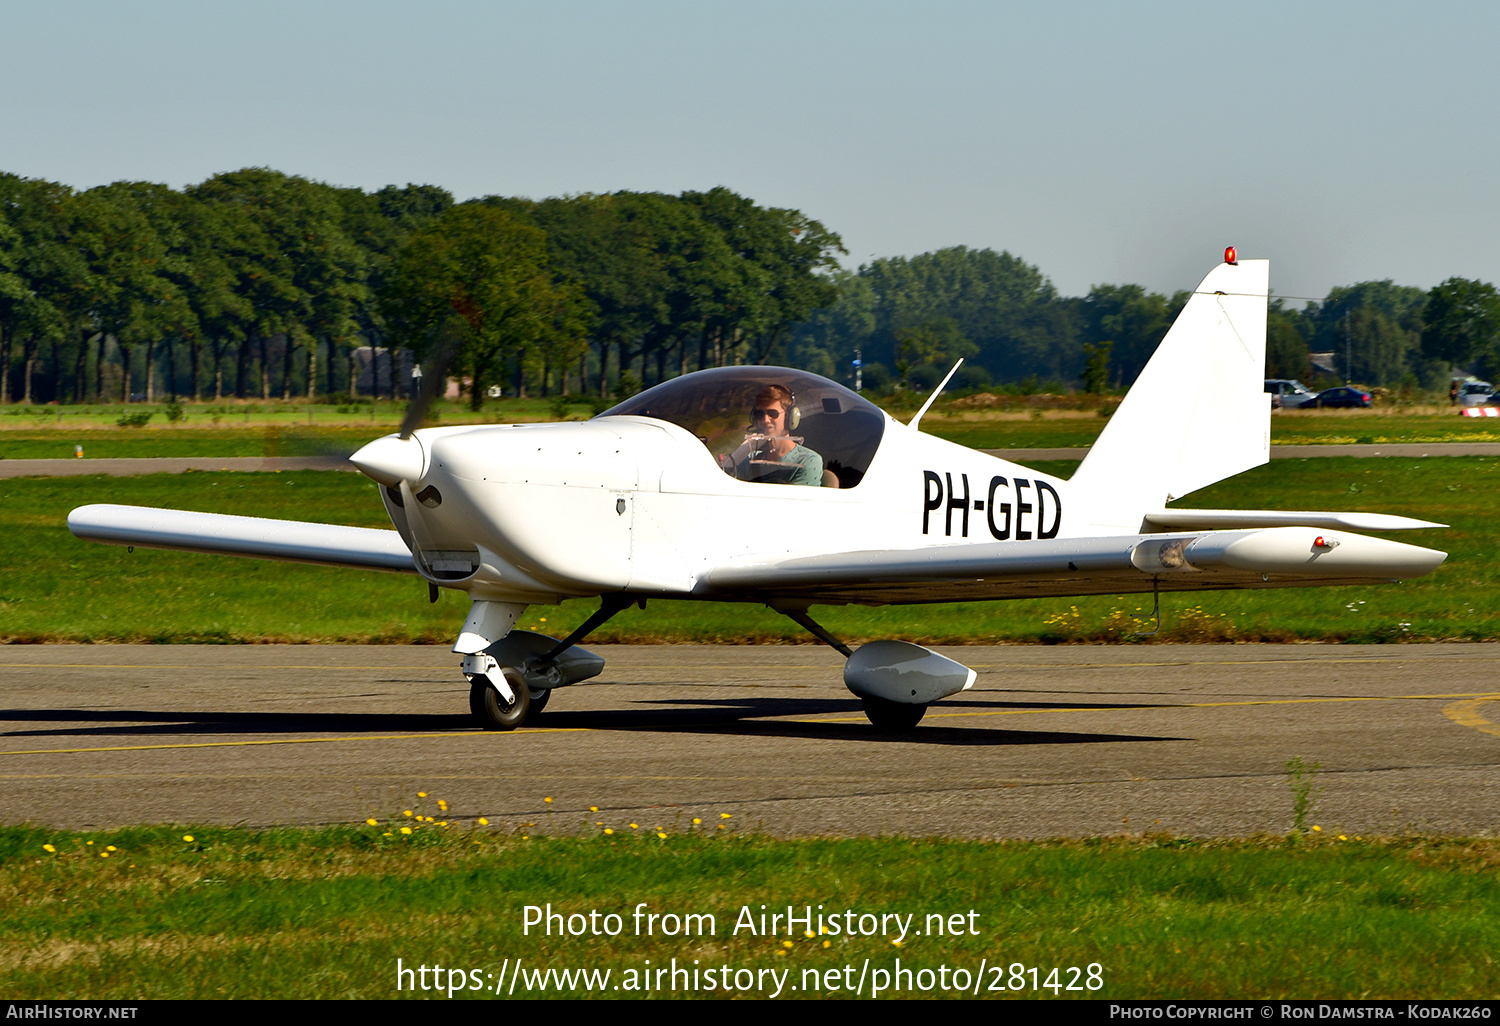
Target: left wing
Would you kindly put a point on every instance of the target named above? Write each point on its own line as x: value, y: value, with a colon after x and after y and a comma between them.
x: 326, y: 544
x: 1275, y: 557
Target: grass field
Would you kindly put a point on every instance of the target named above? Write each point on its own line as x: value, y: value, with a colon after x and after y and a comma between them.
x: 234, y: 429
x: 303, y: 430
x: 1314, y: 427
x: 150, y: 913
x: 57, y: 588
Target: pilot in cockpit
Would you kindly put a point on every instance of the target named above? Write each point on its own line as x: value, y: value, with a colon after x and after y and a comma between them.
x: 770, y: 452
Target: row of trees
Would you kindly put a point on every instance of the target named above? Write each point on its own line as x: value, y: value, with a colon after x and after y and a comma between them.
x: 912, y: 318
x: 227, y: 280
x: 258, y: 283
x: 1381, y: 333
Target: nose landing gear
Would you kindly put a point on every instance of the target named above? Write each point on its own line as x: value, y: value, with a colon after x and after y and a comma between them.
x: 498, y: 695
x: 511, y: 678
x: 492, y: 711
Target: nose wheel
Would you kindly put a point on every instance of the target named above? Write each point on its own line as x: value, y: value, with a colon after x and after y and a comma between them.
x: 491, y: 708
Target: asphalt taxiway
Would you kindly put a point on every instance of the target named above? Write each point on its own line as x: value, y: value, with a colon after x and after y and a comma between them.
x: 1065, y: 741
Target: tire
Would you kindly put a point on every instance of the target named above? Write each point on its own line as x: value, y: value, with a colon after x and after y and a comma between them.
x: 893, y: 715
x: 490, y: 709
x: 538, y: 703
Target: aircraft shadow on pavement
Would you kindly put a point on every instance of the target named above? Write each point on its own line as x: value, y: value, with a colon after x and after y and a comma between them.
x: 162, y: 723
x: 748, y: 717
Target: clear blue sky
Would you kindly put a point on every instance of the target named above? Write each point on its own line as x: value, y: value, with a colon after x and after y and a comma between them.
x: 1104, y: 142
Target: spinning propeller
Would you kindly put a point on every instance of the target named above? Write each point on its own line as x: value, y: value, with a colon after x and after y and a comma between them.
x: 441, y: 355
x: 391, y: 460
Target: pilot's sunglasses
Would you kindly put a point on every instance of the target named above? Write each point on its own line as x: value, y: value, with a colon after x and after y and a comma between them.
x: 772, y: 414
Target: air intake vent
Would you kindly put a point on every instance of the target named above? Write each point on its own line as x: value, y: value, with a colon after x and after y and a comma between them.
x: 448, y: 565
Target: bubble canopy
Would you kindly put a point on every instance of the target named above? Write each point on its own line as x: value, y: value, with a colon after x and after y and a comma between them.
x: 714, y: 405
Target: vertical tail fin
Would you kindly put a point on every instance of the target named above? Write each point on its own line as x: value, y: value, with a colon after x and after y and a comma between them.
x: 1197, y: 414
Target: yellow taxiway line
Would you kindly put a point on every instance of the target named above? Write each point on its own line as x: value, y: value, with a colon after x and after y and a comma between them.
x: 1466, y: 714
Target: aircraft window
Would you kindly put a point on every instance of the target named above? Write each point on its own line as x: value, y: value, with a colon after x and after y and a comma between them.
x: 827, y: 438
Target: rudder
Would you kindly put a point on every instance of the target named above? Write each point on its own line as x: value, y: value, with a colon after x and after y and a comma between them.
x: 1197, y: 414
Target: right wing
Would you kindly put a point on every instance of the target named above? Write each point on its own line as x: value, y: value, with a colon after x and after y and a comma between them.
x: 291, y: 540
x: 1222, y: 519
x: 1273, y: 557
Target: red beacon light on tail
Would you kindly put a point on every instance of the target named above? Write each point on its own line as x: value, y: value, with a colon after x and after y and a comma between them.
x: 1229, y: 257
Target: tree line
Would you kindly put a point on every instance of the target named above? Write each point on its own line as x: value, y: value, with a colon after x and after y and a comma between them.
x: 256, y: 283
x: 912, y: 318
x: 259, y: 284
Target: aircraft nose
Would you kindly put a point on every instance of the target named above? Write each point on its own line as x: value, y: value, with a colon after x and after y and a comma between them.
x: 391, y: 460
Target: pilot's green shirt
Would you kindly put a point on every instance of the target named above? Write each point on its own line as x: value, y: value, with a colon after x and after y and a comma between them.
x: 809, y: 466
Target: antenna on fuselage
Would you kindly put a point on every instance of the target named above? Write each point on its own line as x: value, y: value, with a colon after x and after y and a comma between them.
x: 935, y: 393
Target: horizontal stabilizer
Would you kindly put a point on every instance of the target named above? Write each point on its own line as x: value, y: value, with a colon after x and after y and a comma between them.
x: 291, y: 540
x: 1228, y: 519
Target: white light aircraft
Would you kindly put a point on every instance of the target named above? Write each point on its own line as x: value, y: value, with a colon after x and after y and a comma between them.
x: 823, y: 499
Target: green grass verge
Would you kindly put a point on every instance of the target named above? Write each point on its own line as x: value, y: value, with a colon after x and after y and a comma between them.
x: 1314, y: 427
x: 114, y: 443
x: 57, y: 588
x: 145, y: 913
x: 304, y: 430
x: 235, y: 429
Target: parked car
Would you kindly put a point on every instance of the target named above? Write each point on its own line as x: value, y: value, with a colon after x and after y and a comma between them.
x: 1342, y: 397
x: 1287, y: 394
x: 1476, y: 393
